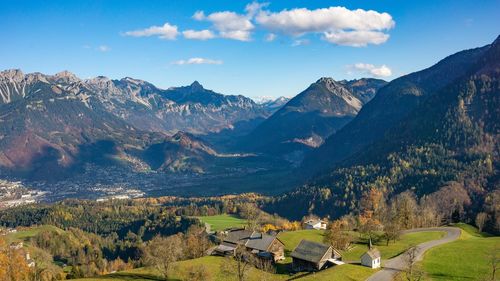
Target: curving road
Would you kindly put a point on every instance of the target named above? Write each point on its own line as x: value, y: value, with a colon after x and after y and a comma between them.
x: 396, y: 264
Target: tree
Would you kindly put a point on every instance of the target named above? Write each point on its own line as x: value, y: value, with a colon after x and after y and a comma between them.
x: 13, y: 265
x: 197, y: 273
x: 337, y: 235
x: 252, y: 214
x: 244, y: 261
x: 406, y: 204
x: 196, y: 242
x: 391, y: 232
x: 411, y: 271
x: 494, y: 262
x: 162, y: 252
x: 480, y: 220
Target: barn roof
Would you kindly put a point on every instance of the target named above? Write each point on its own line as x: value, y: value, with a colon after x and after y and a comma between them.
x: 251, y: 239
x: 310, y: 251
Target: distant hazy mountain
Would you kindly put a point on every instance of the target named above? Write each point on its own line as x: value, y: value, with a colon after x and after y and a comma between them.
x: 311, y: 116
x: 191, y: 108
x: 419, y: 133
x: 272, y: 105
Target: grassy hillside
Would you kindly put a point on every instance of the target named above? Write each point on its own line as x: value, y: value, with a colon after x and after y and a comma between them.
x: 213, y: 265
x: 465, y: 259
x: 25, y: 234
x: 221, y: 222
x: 291, y: 240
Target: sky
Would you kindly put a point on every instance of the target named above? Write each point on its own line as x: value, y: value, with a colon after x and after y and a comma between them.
x: 257, y: 49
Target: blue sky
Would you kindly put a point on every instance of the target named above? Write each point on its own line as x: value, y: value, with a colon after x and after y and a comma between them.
x: 311, y: 39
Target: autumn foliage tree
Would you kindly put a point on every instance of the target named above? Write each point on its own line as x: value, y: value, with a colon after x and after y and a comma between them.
x: 13, y: 265
x: 337, y: 234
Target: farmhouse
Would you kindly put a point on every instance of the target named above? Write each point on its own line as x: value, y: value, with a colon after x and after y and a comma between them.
x: 315, y: 224
x: 313, y: 256
x: 262, y: 245
x: 371, y: 258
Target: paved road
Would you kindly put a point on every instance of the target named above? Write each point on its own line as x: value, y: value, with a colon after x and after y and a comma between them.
x: 396, y: 264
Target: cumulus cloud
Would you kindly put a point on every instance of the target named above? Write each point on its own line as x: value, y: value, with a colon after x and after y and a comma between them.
x: 370, y: 69
x: 338, y: 25
x: 359, y: 38
x: 229, y: 24
x: 254, y: 8
x: 198, y: 34
x: 166, y: 31
x: 197, y: 61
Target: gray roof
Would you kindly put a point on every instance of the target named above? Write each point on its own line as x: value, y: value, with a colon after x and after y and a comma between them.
x: 239, y: 236
x: 373, y: 253
x: 310, y: 251
x: 260, y: 241
x: 252, y: 240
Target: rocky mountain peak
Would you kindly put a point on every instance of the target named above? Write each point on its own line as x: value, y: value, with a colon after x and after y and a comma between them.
x: 15, y: 75
x: 66, y: 76
x: 196, y: 86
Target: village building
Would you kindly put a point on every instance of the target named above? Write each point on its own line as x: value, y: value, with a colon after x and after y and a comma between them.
x: 315, y: 224
x: 313, y: 256
x: 261, y: 244
x: 371, y: 258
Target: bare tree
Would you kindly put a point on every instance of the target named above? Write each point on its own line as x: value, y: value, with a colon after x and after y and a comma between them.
x: 494, y: 262
x: 197, y: 273
x: 243, y: 261
x: 411, y: 272
x: 481, y: 220
x: 391, y: 232
x: 162, y: 252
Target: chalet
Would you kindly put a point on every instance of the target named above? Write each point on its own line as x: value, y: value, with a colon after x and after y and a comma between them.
x: 315, y: 224
x: 261, y: 244
x: 371, y: 258
x: 313, y: 256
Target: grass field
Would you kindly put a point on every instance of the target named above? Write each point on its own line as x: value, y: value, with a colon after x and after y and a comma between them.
x: 348, y: 272
x: 213, y: 265
x: 464, y: 259
x: 25, y: 235
x: 291, y: 240
x: 221, y: 222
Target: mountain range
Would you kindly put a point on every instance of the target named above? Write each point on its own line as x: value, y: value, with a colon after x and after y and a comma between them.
x: 419, y: 133
x: 306, y: 120
x: 334, y: 140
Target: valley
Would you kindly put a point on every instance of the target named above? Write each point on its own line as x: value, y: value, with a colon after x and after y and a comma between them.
x: 249, y: 141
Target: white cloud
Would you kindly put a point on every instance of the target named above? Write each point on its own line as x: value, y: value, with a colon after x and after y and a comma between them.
x: 338, y: 24
x: 300, y: 42
x: 167, y: 32
x: 199, y: 15
x: 356, y: 38
x: 270, y: 37
x: 197, y: 61
x: 254, y: 8
x: 198, y: 34
x: 103, y: 48
x: 231, y: 25
x: 370, y: 69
